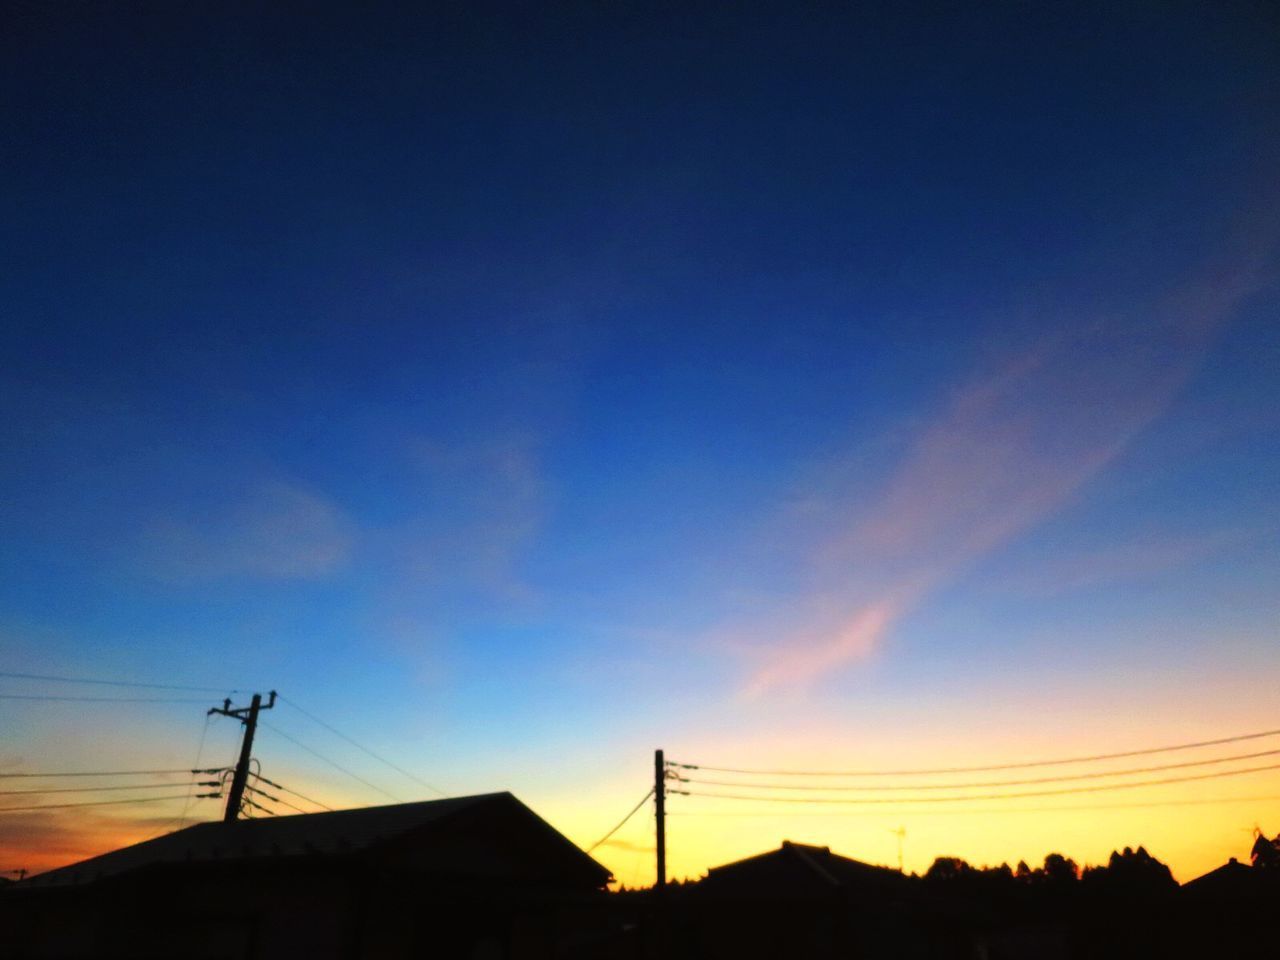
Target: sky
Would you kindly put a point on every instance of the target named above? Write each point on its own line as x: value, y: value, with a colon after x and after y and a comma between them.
x: 519, y: 389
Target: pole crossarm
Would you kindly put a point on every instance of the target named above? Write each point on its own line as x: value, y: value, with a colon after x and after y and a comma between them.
x: 242, y: 713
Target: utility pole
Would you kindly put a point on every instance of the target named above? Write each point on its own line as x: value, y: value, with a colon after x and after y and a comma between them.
x: 660, y: 805
x: 249, y: 717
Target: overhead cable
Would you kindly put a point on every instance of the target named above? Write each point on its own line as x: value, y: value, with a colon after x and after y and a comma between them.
x: 115, y: 683
x: 982, y: 769
x: 258, y: 806
x: 634, y: 811
x: 204, y: 733
x: 332, y: 763
x: 1096, y: 775
x: 110, y: 773
x: 283, y: 803
x: 280, y: 786
x: 58, y: 699
x: 988, y: 796
x: 988, y: 811
x: 261, y: 793
x: 131, y: 786
x: 359, y: 746
x: 98, y: 803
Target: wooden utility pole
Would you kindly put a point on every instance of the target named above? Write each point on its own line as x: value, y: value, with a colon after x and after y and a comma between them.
x: 660, y: 805
x: 249, y: 717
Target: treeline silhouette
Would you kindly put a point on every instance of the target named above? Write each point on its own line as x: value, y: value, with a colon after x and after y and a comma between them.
x: 1128, y: 873
x: 804, y: 901
x: 485, y: 877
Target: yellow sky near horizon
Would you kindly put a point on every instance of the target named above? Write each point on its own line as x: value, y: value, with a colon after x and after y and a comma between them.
x: 1193, y: 826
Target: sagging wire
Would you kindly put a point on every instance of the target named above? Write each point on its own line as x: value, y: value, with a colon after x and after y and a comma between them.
x: 634, y: 811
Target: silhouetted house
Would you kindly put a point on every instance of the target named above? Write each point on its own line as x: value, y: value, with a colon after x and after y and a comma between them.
x: 480, y: 877
x: 1231, y: 881
x: 799, y: 901
x: 1229, y: 912
x: 797, y: 871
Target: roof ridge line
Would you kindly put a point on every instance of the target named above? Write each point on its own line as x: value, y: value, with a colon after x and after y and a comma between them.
x: 809, y: 861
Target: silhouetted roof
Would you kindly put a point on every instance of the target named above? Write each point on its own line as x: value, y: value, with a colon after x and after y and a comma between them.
x: 798, y: 869
x: 489, y: 835
x: 1231, y: 881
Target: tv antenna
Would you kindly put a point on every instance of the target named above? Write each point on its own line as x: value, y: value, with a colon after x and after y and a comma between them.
x: 901, y: 834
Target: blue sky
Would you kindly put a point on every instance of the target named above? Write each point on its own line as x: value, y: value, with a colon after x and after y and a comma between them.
x: 530, y: 384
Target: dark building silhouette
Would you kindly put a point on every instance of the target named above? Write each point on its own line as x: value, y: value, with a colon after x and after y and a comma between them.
x: 484, y: 878
x: 800, y: 871
x: 798, y: 901
x: 471, y: 877
x: 1231, y: 881
x: 1231, y: 911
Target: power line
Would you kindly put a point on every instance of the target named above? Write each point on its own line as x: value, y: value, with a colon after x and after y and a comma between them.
x: 292, y: 807
x: 111, y: 773
x: 258, y: 806
x: 359, y: 746
x: 98, y: 803
x: 332, y: 763
x: 989, y: 796
x: 131, y: 786
x: 47, y: 697
x: 280, y: 786
x: 1001, y: 766
x: 204, y: 733
x: 990, y: 811
x: 634, y: 811
x: 263, y: 793
x: 115, y: 683
x: 1096, y: 775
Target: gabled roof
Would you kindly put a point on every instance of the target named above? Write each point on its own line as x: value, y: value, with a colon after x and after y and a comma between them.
x: 1231, y: 881
x: 798, y: 869
x: 454, y: 836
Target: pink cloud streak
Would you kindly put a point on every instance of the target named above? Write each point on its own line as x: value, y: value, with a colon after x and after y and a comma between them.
x: 1010, y: 449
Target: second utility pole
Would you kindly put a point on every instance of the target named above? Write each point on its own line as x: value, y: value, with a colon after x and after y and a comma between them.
x: 660, y: 810
x: 249, y: 717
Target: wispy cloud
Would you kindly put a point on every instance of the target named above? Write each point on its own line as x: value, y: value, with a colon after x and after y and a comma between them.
x: 1011, y: 447
x: 1139, y: 557
x: 483, y: 507
x: 272, y: 530
x: 473, y: 510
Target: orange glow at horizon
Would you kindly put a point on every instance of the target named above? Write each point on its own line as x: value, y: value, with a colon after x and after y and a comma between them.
x: 1192, y: 826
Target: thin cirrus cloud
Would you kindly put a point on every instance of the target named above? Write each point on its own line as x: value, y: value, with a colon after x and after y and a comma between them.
x: 274, y: 530
x: 479, y: 507
x: 1143, y: 556
x: 1009, y: 449
x: 454, y: 557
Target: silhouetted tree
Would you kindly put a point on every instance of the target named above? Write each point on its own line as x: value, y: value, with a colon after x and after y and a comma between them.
x: 1131, y: 872
x: 1060, y: 871
x: 1266, y: 853
x: 947, y: 869
x: 1057, y: 873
